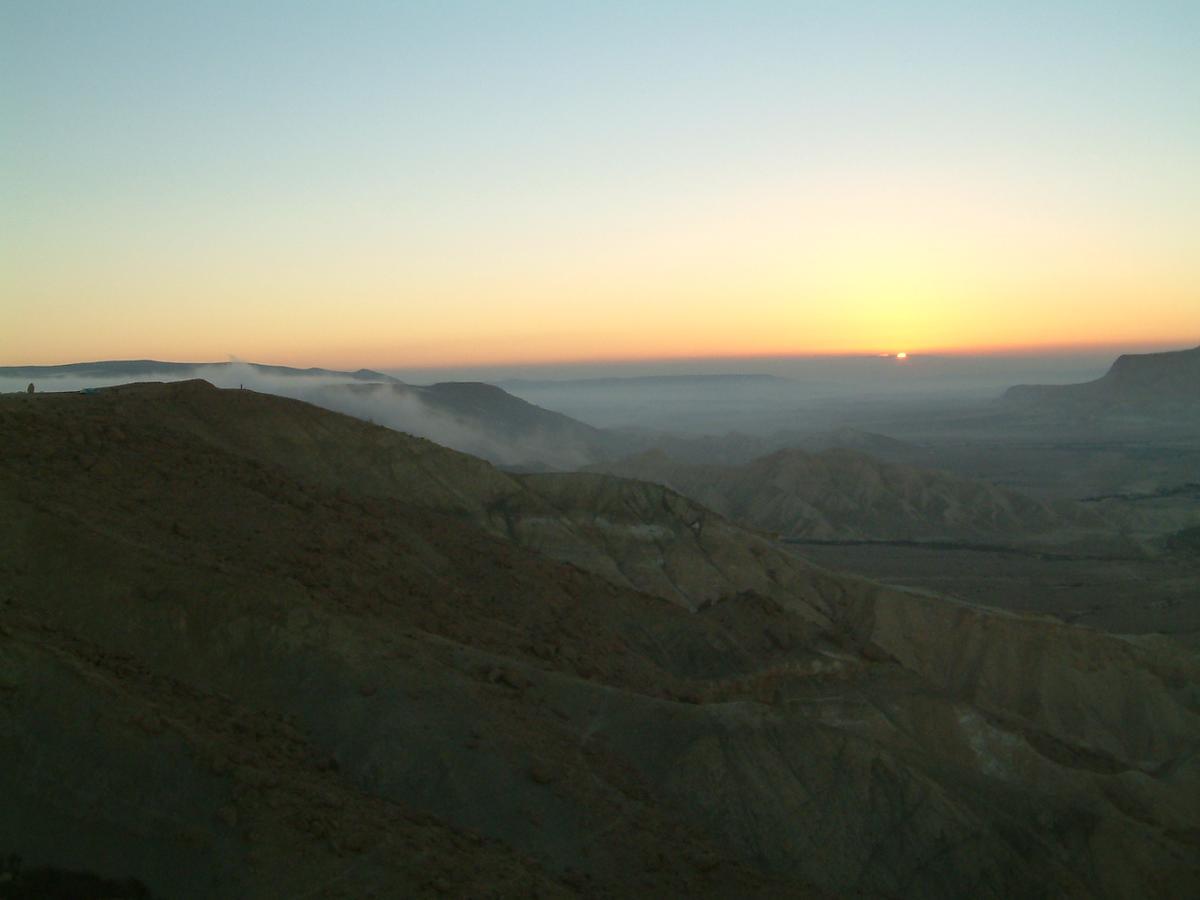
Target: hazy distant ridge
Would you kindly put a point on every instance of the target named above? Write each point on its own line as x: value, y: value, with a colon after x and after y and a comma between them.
x: 141, y: 368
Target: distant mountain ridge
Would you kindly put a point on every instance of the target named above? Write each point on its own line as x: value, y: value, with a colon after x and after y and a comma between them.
x: 127, y: 368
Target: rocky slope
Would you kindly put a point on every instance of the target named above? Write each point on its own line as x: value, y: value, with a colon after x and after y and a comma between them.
x: 842, y: 494
x: 252, y: 648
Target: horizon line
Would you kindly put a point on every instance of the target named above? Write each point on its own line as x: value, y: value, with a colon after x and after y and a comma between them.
x: 997, y: 351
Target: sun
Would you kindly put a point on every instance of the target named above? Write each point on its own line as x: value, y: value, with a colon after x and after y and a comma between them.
x: 901, y: 355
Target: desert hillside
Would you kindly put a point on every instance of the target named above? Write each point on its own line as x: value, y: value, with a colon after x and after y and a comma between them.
x: 843, y: 494
x: 253, y: 648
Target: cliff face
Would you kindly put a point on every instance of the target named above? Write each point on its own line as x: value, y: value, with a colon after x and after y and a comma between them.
x: 252, y: 648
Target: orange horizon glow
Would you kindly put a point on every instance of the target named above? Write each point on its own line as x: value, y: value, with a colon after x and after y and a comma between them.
x: 351, y: 363
x: 855, y: 274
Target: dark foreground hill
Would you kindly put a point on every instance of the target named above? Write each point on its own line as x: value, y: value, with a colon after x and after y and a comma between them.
x: 251, y: 648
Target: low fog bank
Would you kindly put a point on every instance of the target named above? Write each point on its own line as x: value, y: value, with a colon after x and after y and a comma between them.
x: 802, y: 394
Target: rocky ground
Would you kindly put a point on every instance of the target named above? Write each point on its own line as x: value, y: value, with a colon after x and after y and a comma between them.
x: 252, y: 648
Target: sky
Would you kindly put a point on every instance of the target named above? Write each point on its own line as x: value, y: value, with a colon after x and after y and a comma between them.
x: 414, y: 185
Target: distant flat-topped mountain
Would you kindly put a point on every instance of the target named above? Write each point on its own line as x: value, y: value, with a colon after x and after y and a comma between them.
x: 1148, y: 381
x: 476, y: 418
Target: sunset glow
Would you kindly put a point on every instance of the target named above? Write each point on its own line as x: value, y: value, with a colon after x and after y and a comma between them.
x: 427, y: 184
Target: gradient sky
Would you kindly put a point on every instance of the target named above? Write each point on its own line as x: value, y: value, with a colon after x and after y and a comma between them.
x: 412, y: 184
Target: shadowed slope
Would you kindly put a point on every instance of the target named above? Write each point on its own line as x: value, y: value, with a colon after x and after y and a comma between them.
x: 252, y: 648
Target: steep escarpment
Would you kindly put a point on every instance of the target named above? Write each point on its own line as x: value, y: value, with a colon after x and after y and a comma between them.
x: 1151, y: 383
x: 252, y: 648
